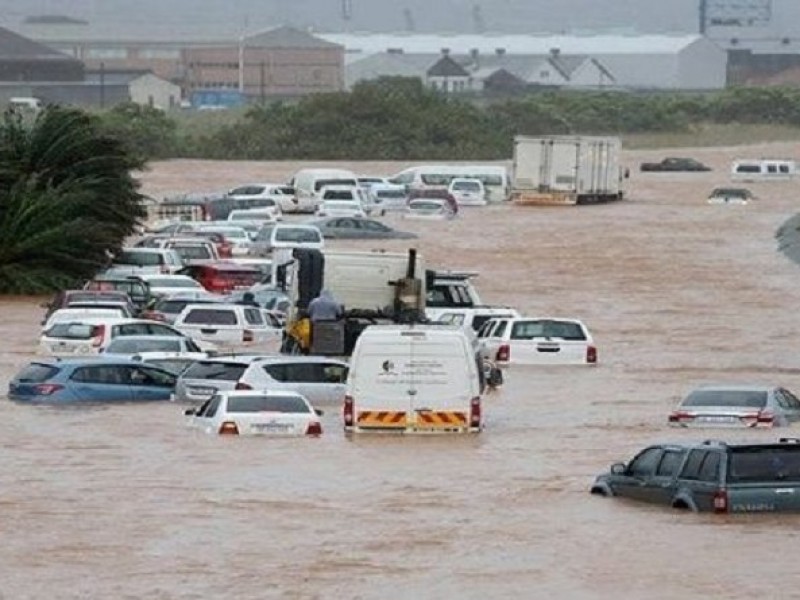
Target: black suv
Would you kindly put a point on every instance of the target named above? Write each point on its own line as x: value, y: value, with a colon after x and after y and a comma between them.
x: 710, y: 476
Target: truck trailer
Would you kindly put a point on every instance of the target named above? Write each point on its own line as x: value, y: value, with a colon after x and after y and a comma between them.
x: 566, y: 170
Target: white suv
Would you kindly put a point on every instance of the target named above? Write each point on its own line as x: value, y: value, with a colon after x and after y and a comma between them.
x: 92, y: 336
x: 230, y: 326
x: 147, y: 260
x: 319, y: 379
x: 537, y: 341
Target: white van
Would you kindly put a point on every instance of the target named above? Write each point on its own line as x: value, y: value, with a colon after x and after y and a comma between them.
x: 763, y: 169
x: 414, y: 379
x: 308, y: 184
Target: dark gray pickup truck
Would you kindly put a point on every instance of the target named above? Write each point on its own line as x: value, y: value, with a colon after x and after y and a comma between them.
x: 710, y: 476
x: 672, y: 164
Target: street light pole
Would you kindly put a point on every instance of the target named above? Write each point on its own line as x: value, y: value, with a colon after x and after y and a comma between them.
x: 241, y: 64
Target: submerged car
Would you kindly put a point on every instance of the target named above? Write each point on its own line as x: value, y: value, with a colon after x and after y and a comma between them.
x: 359, y: 229
x: 429, y: 209
x: 737, y: 406
x: 730, y: 196
x: 280, y: 413
x: 710, y: 476
x: 54, y: 381
x: 672, y: 164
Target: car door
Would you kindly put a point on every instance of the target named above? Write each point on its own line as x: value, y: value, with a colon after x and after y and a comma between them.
x: 660, y: 488
x: 319, y: 382
x: 633, y: 483
x: 700, y: 477
x: 102, y: 383
x: 148, y: 383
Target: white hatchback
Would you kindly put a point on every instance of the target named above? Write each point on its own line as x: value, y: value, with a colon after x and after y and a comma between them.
x: 279, y: 413
x: 340, y: 208
x: 537, y: 341
x: 468, y: 192
x: 92, y: 336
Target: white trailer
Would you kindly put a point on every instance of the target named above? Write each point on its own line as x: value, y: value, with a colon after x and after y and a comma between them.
x: 566, y: 170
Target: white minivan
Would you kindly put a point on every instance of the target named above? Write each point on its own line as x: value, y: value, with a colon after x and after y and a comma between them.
x: 414, y: 379
x: 308, y: 184
x: 763, y: 169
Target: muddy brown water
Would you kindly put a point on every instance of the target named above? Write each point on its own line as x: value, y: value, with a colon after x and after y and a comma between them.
x: 124, y: 502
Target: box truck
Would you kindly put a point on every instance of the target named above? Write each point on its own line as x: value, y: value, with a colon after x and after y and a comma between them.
x: 566, y: 170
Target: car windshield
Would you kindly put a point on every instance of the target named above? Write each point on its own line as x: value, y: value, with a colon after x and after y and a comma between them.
x: 296, y: 234
x: 732, y: 398
x: 764, y: 464
x: 193, y: 251
x: 425, y: 205
x: 128, y: 346
x: 140, y: 259
x: 390, y: 194
x: 211, y: 316
x: 222, y: 371
x: 565, y: 330
x: 280, y: 404
x: 338, y: 195
x: 321, y: 183
x: 174, y: 365
x: 170, y: 282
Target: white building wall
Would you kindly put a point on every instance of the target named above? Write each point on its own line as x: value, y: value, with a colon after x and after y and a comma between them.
x: 589, y: 75
x: 643, y: 71
x: 702, y: 66
x: 150, y: 90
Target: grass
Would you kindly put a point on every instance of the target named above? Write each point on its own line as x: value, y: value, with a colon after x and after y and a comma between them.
x: 714, y: 135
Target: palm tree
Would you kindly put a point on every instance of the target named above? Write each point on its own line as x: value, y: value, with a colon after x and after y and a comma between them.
x: 67, y: 199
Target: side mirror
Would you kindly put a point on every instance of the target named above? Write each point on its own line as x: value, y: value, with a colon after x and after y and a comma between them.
x: 618, y: 469
x: 318, y: 412
x: 190, y: 412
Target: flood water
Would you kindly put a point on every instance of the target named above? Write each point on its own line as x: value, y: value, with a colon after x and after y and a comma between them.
x: 125, y: 502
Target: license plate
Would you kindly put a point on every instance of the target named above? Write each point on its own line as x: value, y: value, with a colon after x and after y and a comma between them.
x: 272, y: 427
x: 202, y: 391
x: 715, y: 419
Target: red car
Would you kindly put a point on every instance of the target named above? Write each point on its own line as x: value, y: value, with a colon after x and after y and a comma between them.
x: 224, y: 277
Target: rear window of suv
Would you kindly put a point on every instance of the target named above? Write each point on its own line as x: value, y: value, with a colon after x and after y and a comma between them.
x: 764, y: 464
x: 565, y: 330
x: 222, y: 371
x: 209, y: 316
x: 142, y: 259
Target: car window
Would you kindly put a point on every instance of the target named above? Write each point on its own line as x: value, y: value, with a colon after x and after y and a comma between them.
x: 735, y: 398
x: 709, y: 470
x: 374, y: 226
x: 565, y: 330
x: 670, y: 463
x: 791, y: 399
x: 298, y: 372
x: 148, y: 376
x: 645, y: 463
x: 691, y: 468
x: 211, y: 409
x: 102, y: 374
x: 140, y: 259
x: 281, y: 404
x: 127, y: 346
x: 334, y: 373
x: 215, y: 370
x: 36, y: 373
x: 764, y: 464
x: 501, y: 329
x: 253, y: 316
x: 211, y: 316
x: 486, y: 328
x: 130, y: 329
x: 156, y: 329
x: 71, y: 331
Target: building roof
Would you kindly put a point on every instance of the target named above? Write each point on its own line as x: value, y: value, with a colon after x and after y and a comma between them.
x: 370, y: 43
x: 389, y: 64
x: 120, y: 76
x: 287, y: 37
x: 15, y: 47
x: 447, y: 67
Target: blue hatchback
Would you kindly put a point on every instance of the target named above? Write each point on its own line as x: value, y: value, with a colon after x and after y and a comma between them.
x: 56, y: 381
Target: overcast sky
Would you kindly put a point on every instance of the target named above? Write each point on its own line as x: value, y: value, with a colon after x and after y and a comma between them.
x: 514, y: 16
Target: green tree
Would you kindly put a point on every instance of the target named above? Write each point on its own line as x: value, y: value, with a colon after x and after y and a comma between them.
x: 147, y: 132
x: 67, y: 199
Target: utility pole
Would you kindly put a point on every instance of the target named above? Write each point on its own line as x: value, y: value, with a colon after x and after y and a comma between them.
x: 102, y: 85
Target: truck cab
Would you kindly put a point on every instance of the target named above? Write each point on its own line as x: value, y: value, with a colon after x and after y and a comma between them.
x: 447, y: 290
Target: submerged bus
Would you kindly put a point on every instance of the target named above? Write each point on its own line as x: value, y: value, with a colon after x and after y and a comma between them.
x: 494, y: 178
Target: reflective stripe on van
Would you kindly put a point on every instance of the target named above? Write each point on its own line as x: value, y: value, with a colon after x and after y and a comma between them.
x: 441, y: 419
x: 370, y: 419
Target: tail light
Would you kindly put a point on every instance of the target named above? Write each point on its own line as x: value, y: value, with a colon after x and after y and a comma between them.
x: 503, y: 353
x: 475, y: 412
x: 45, y: 389
x: 247, y: 336
x: 679, y: 416
x: 348, y: 411
x: 218, y: 284
x: 243, y: 386
x: 765, y: 417
x: 153, y: 316
x: 97, y: 335
x: 314, y: 428
x: 228, y: 428
x: 721, y: 501
x: 591, y: 354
